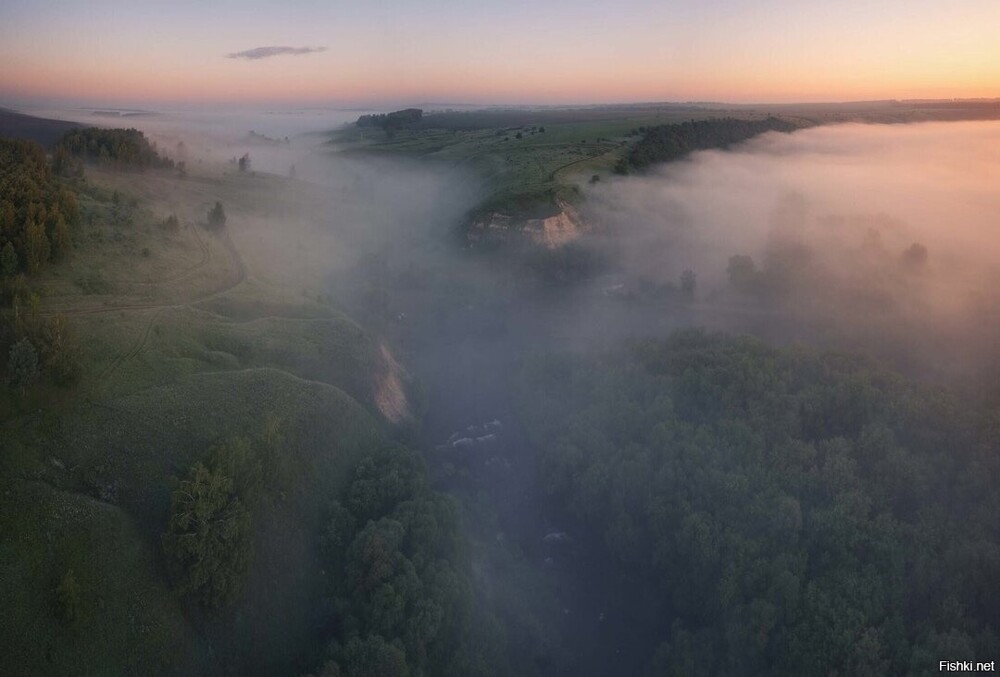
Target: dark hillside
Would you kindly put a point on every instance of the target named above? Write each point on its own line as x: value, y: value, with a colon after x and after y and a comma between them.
x: 40, y: 130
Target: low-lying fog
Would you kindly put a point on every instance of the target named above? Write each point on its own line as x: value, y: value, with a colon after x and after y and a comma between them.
x: 881, y: 239
x: 884, y: 238
x: 210, y: 135
x: 876, y: 238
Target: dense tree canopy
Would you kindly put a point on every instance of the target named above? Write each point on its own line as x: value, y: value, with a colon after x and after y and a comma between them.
x: 208, y: 537
x: 36, y: 210
x: 208, y: 541
x: 404, y: 603
x: 394, y: 120
x: 801, y: 514
x: 119, y: 148
x: 664, y: 143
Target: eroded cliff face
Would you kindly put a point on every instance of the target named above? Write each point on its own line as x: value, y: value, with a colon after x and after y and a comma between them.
x: 555, y: 231
x: 390, y: 393
x: 550, y: 232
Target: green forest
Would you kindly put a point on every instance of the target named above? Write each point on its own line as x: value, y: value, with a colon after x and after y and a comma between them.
x: 398, y: 598
x: 665, y: 143
x: 37, y: 214
x: 399, y: 581
x: 797, y: 513
x: 393, y: 120
x: 37, y: 211
x: 117, y: 148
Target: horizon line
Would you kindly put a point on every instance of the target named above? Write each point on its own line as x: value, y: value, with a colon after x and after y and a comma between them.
x: 359, y: 106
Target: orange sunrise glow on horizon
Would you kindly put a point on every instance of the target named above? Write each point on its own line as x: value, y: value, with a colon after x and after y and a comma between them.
x: 518, y: 53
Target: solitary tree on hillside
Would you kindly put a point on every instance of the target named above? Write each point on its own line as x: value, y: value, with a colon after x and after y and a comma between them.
x: 244, y: 162
x: 207, y: 541
x: 915, y: 256
x: 217, y: 216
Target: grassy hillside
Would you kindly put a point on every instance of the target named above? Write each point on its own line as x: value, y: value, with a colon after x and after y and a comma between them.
x: 185, y: 337
x: 532, y: 162
x: 527, y: 159
x: 128, y: 620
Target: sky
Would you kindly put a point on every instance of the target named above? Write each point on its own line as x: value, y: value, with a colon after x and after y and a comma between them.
x: 369, y: 53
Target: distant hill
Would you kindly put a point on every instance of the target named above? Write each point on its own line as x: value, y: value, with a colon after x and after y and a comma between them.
x: 40, y: 130
x: 394, y: 120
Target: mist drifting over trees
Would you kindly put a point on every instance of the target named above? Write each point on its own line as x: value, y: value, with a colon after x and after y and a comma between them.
x: 740, y: 420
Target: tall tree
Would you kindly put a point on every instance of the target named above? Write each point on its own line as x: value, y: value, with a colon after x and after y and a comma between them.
x: 37, y: 247
x: 217, y: 216
x: 208, y: 537
x: 62, y: 241
x: 8, y: 260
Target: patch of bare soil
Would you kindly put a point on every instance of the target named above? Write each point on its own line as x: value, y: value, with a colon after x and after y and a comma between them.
x: 558, y: 230
x: 390, y: 396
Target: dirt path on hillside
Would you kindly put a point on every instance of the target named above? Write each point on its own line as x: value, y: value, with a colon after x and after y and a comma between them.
x: 228, y: 285
x: 159, y: 308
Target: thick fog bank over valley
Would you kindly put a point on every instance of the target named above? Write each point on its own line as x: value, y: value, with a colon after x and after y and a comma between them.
x: 319, y: 306
x: 882, y: 238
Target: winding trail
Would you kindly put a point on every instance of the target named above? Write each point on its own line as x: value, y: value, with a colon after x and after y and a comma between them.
x: 228, y: 286
x: 131, y: 352
x: 159, y: 308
